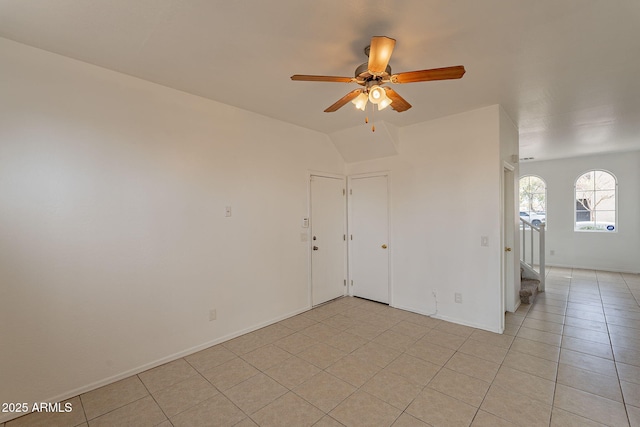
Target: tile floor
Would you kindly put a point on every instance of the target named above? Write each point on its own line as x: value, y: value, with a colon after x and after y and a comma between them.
x: 570, y: 359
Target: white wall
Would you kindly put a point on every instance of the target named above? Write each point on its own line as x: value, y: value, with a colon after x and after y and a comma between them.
x: 113, y: 240
x: 604, y: 251
x: 445, y: 195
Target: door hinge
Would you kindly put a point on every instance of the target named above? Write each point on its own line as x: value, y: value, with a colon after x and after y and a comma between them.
x: 344, y: 191
x: 351, y: 191
x: 345, y: 282
x: 352, y: 283
x: 352, y: 237
x: 344, y: 237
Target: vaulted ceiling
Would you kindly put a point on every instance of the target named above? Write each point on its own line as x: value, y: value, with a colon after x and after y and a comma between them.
x: 566, y: 71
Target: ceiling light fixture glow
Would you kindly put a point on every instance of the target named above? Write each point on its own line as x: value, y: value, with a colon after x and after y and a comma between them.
x: 376, y: 94
x: 360, y: 101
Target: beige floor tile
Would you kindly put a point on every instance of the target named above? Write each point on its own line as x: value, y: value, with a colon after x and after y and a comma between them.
x: 327, y: 421
x: 363, y: 409
x: 292, y: 372
x: 183, y: 395
x: 347, y: 342
x: 562, y: 418
x: 473, y: 366
x: 510, y: 329
x: 485, y: 419
x: 542, y: 325
x: 217, y: 411
x: 247, y: 422
x: 586, y: 324
x: 588, y: 347
x: 455, y: 329
x: 627, y: 355
x: 491, y: 338
x: 529, y: 385
x: 392, y: 388
x: 112, y: 396
x: 623, y: 331
x: 409, y: 329
x: 586, y: 334
x: 210, y: 357
x: 547, y: 317
x: 595, y: 307
x: 255, y: 393
x: 142, y: 412
x: 516, y: 408
x: 590, y: 406
x: 484, y: 351
x: 324, y: 391
x: 444, y: 339
x: 430, y: 352
x: 167, y: 374
x: 634, y: 416
x: 629, y: 373
x: 320, y: 332
x: 74, y: 417
x: 265, y: 357
x: 626, y: 342
x: 287, y: 410
x: 230, y: 373
x: 513, y: 319
x: 552, y: 309
x: 322, y: 355
x: 406, y: 420
x: 588, y: 362
x: 394, y: 340
x: 298, y: 322
x: 460, y: 386
x: 354, y: 370
x: 540, y: 336
x: 623, y: 321
x: 631, y: 393
x: 377, y: 354
x: 366, y: 331
x: 244, y: 343
x: 538, y: 349
x: 438, y: 409
x: 340, y: 321
x: 414, y: 369
x: 295, y: 343
x: 591, y: 382
x: 531, y: 364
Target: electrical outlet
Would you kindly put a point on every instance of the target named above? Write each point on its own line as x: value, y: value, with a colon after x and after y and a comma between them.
x: 458, y: 298
x: 212, y: 315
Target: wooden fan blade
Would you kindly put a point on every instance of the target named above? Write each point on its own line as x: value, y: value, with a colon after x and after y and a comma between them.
x: 446, y: 73
x: 342, y: 101
x: 307, y: 78
x: 380, y: 52
x: 399, y: 103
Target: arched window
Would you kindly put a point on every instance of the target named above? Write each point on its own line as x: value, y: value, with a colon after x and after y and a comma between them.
x: 596, y: 201
x: 533, y: 199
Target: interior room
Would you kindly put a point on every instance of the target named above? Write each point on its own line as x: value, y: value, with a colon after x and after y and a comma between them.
x: 174, y: 200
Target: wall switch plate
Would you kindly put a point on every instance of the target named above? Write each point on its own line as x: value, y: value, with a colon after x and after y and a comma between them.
x: 458, y: 298
x: 212, y: 315
x: 305, y: 222
x: 227, y: 211
x: 484, y: 240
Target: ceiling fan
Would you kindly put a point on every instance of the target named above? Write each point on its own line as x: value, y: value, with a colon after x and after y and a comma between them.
x: 373, y: 74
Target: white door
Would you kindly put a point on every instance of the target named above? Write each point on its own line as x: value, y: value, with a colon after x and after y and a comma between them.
x: 369, y: 237
x: 328, y: 244
x: 509, y: 291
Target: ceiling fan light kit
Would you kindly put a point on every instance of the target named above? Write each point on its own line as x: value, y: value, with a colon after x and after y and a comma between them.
x: 376, y: 72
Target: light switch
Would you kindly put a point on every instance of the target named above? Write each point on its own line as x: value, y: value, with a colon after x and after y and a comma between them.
x: 227, y: 211
x: 484, y: 240
x: 305, y: 222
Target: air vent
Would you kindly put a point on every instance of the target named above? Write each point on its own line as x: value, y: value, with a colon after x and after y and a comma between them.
x: 526, y: 158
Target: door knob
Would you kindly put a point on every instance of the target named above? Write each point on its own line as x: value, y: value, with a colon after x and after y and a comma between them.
x: 507, y: 249
x: 315, y: 248
x: 384, y: 246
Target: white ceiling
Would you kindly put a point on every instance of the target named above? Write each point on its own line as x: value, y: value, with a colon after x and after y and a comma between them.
x: 566, y: 71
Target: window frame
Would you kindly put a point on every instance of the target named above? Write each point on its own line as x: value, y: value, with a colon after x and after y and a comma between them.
x: 615, y: 195
x: 545, y: 197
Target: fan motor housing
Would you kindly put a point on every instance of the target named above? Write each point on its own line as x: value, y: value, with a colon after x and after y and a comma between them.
x: 363, y: 75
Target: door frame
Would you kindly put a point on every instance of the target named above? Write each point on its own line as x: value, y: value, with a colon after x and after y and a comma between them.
x: 507, y: 239
x: 387, y: 174
x: 310, y: 174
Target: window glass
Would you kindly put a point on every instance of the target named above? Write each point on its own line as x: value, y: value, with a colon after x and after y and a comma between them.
x: 595, y: 193
x: 533, y: 200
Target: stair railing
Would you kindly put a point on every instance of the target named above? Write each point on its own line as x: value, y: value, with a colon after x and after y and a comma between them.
x: 536, y: 233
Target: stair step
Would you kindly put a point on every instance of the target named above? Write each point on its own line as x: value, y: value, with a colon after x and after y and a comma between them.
x: 528, y: 290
